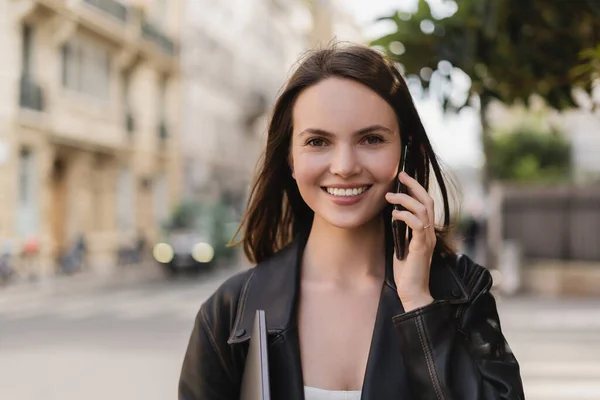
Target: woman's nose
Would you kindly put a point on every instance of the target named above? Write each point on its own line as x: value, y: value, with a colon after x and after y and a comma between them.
x: 345, y: 162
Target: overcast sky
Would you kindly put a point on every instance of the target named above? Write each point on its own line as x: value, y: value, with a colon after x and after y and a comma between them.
x: 455, y: 137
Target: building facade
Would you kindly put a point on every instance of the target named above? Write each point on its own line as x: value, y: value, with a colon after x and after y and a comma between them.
x: 89, y: 124
x: 332, y: 22
x: 236, y: 56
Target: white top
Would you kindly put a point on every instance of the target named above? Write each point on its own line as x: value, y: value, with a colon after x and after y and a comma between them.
x: 311, y: 393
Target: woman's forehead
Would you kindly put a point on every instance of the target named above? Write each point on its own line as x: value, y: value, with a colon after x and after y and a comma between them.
x: 341, y: 105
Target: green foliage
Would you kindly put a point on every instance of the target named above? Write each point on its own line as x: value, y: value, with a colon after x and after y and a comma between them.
x: 528, y: 154
x: 509, y: 48
x: 589, y: 68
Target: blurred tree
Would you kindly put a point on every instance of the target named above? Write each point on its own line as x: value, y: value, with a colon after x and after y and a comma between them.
x: 588, y: 70
x: 510, y: 49
x: 530, y: 154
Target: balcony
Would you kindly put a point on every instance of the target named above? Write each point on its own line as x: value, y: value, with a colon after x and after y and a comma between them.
x: 154, y: 34
x: 111, y: 7
x: 125, y: 26
x: 31, y: 95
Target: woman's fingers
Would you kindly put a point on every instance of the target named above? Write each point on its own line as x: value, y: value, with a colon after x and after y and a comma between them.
x: 419, y: 193
x: 411, y: 204
x: 418, y: 201
x: 423, y: 234
x: 412, y: 221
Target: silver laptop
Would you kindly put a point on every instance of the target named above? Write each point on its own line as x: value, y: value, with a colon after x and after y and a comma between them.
x: 255, y: 381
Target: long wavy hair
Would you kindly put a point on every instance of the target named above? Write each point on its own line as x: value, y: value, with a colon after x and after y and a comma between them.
x: 276, y: 211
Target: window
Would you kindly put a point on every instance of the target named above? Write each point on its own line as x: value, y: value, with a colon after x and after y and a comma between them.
x: 86, y: 68
x: 27, y: 55
x: 27, y: 210
x: 125, y: 88
x: 25, y: 176
x: 162, y: 93
x: 161, y: 199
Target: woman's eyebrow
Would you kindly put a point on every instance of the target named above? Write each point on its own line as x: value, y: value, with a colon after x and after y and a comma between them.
x: 314, y: 131
x: 363, y: 131
x: 374, y: 128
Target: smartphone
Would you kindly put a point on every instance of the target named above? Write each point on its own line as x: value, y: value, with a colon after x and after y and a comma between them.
x: 399, y: 229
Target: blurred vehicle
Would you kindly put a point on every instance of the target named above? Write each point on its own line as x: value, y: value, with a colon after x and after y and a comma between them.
x: 184, y: 250
x: 195, y: 239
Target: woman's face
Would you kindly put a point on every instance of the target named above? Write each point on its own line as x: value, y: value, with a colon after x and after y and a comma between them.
x: 345, y: 151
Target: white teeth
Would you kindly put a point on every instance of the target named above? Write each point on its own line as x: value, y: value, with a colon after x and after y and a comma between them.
x: 346, y: 192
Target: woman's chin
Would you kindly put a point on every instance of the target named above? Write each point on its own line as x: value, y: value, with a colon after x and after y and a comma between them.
x: 347, y: 222
x: 348, y: 217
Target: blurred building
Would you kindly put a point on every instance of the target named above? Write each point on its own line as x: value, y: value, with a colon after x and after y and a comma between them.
x: 582, y: 128
x: 236, y: 56
x: 88, y: 122
x: 331, y: 22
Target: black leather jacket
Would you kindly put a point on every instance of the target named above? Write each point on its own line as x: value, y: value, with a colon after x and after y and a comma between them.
x: 450, y: 349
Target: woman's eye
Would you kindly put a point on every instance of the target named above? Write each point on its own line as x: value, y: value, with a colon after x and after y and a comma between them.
x: 373, y: 140
x: 316, y: 142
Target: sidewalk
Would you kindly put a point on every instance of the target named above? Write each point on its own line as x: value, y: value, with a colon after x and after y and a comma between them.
x: 87, y: 280
x: 102, y: 279
x: 560, y: 314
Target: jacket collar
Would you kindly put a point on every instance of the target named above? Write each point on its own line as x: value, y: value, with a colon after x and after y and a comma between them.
x: 273, y: 286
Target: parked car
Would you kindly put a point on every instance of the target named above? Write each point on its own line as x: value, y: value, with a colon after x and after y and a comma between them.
x: 184, y: 250
x: 195, y: 240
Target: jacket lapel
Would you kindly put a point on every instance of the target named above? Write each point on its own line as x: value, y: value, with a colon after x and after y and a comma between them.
x: 273, y: 287
x: 384, y: 376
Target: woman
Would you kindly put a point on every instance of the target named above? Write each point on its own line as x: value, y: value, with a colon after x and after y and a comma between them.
x: 347, y: 319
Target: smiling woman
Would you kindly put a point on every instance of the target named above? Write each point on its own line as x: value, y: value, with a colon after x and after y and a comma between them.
x: 346, y: 319
x: 345, y: 139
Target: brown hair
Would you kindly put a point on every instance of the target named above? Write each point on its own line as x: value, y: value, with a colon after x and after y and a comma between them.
x: 276, y: 211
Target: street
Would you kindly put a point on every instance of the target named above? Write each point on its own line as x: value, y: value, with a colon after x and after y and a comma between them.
x: 127, y: 342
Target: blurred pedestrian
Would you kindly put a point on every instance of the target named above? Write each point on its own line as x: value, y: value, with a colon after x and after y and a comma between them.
x: 471, y: 235
x: 75, y: 259
x: 346, y: 318
x: 6, y: 261
x: 30, y: 258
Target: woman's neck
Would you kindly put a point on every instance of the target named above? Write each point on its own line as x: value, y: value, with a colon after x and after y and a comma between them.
x: 344, y: 256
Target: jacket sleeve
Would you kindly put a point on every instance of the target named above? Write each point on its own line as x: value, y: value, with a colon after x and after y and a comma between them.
x: 205, y: 374
x: 459, y: 355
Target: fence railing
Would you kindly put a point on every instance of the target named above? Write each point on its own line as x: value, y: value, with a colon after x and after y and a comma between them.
x: 553, y: 223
